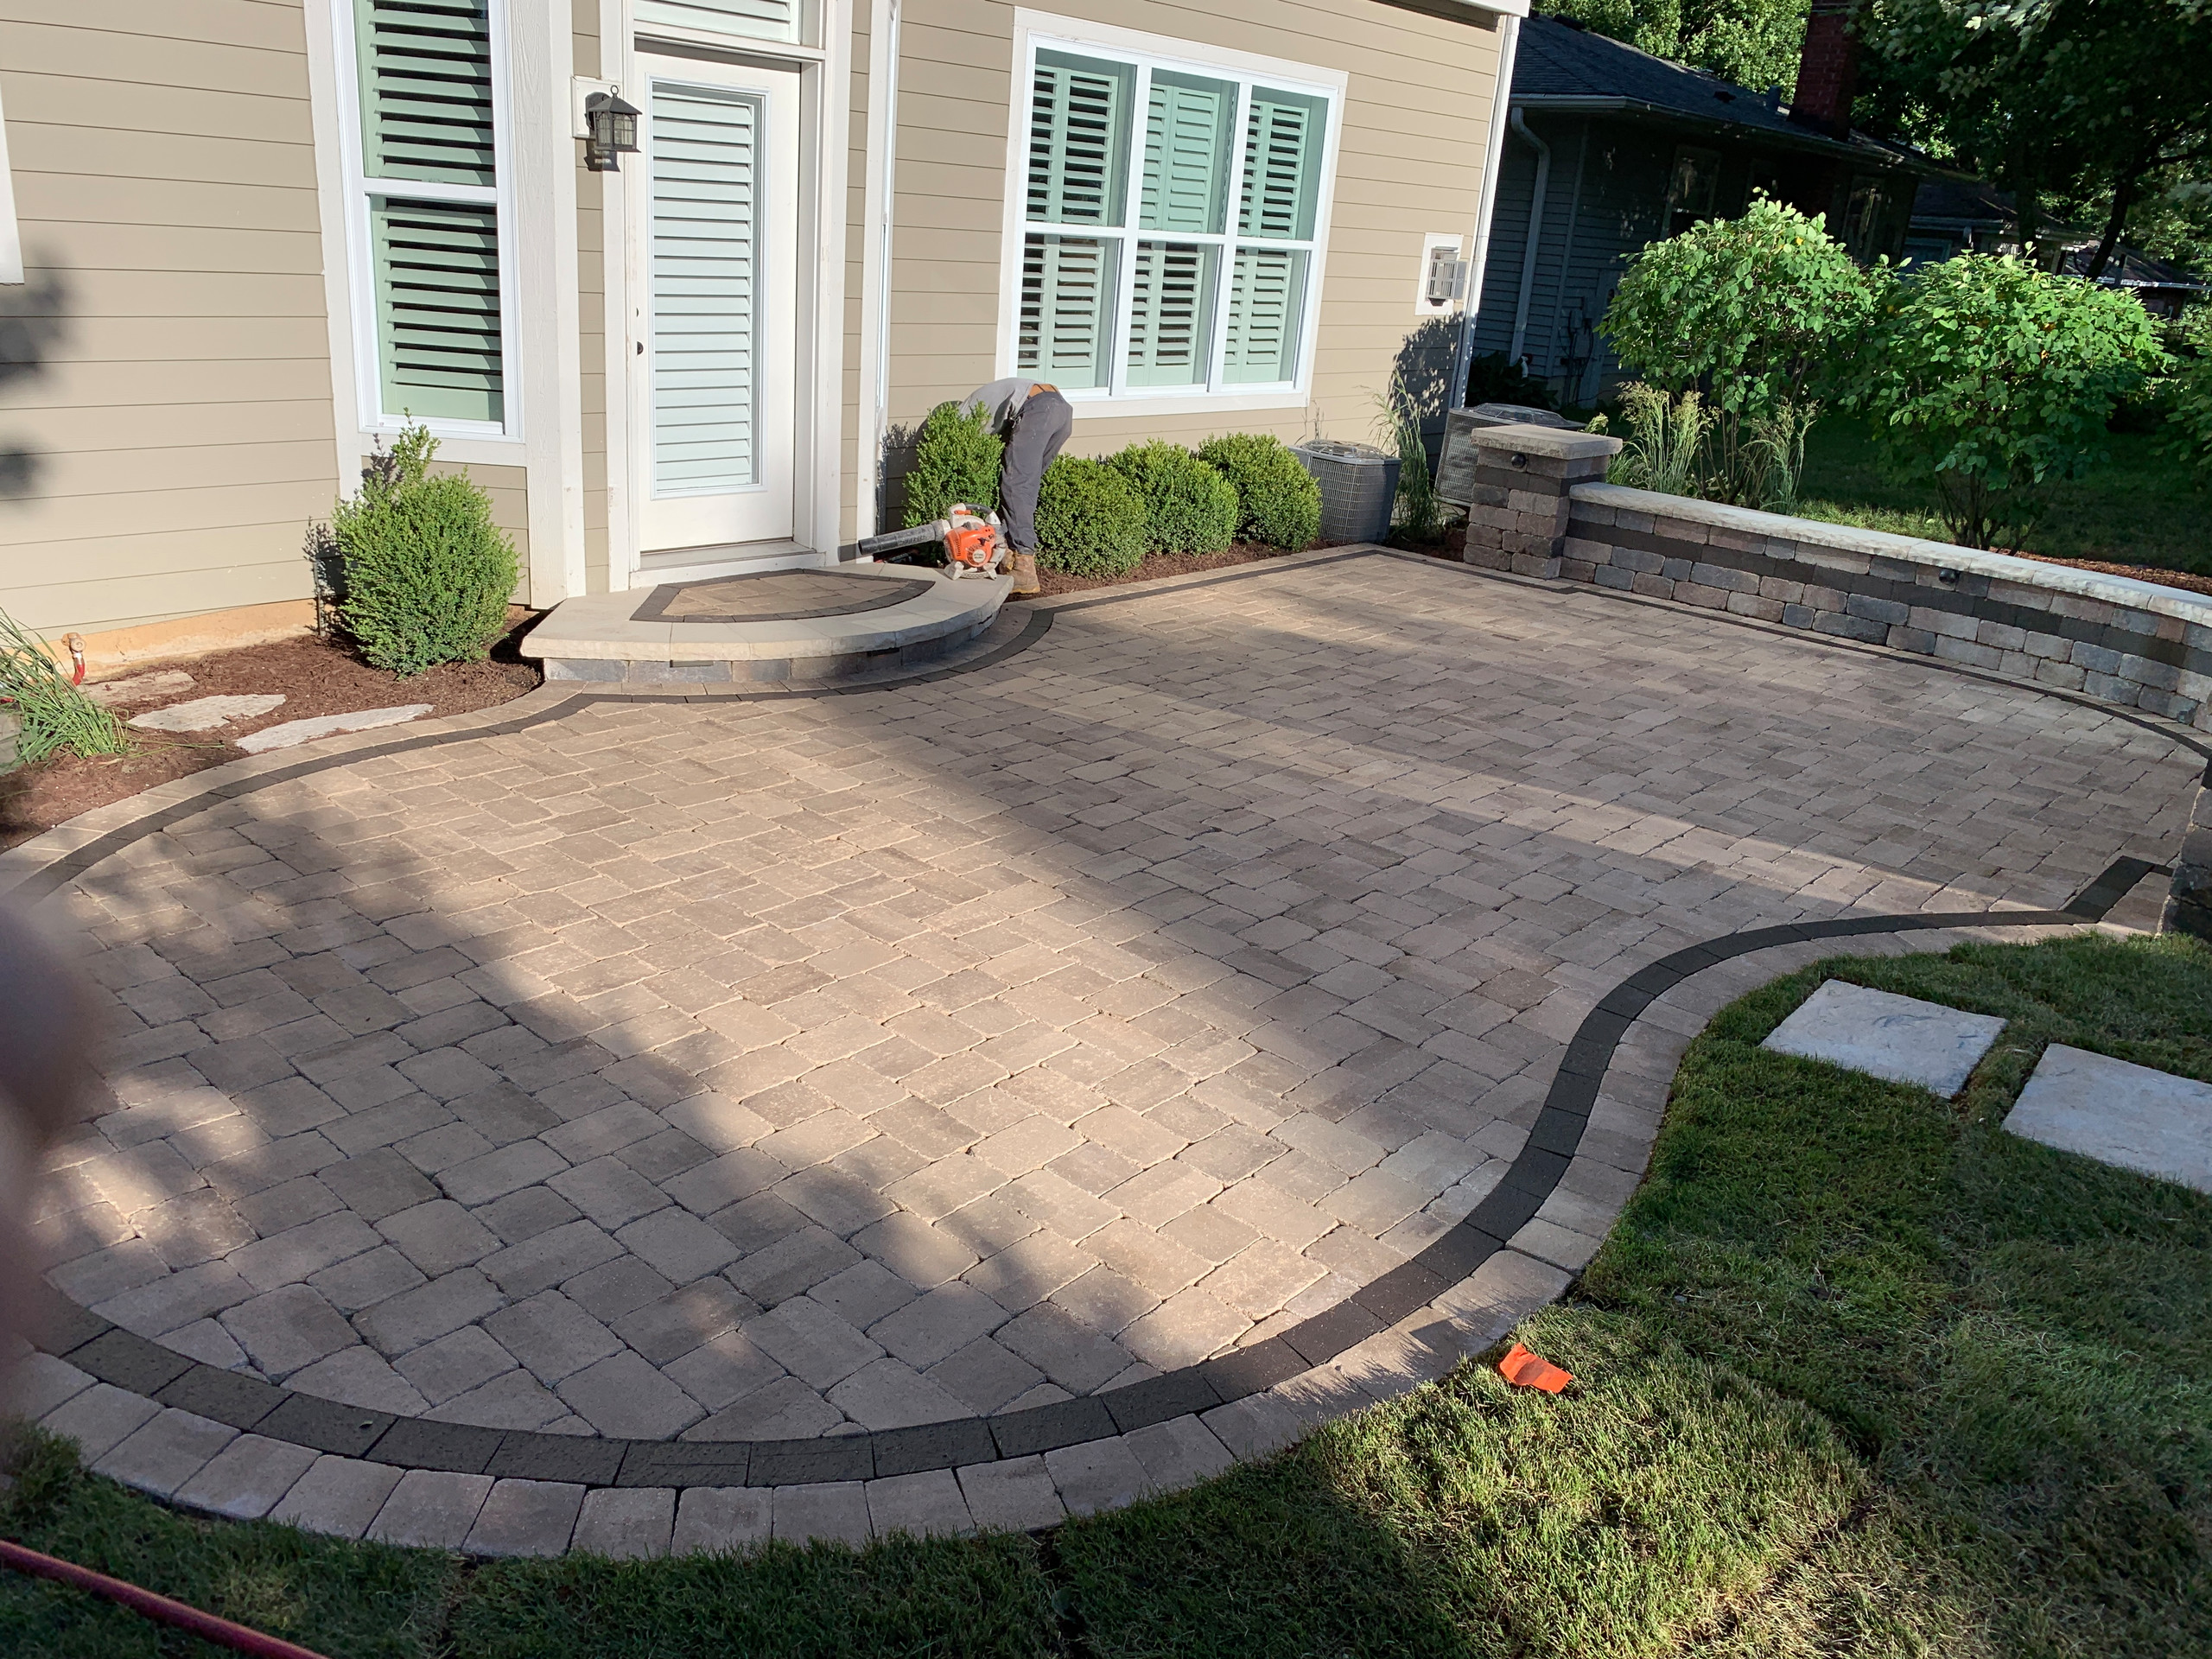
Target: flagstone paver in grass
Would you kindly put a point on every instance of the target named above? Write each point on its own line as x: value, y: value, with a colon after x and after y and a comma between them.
x: 1900, y: 1039
x: 769, y: 1069
x: 2118, y: 1113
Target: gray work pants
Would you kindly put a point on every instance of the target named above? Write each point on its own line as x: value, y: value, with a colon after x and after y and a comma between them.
x: 1033, y: 440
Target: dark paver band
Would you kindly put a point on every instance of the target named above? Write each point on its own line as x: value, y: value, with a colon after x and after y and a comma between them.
x: 121, y: 1358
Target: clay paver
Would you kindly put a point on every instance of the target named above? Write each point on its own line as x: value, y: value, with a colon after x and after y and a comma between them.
x: 1900, y: 1039
x: 980, y: 1039
x: 2118, y: 1113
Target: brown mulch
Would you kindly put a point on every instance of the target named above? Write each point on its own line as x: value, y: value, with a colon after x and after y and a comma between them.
x: 2183, y: 579
x: 316, y: 677
x: 1158, y: 566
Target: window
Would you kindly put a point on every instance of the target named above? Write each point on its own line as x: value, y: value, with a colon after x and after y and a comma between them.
x: 429, y: 216
x: 1691, y: 191
x: 1170, y: 217
x: 1863, y: 219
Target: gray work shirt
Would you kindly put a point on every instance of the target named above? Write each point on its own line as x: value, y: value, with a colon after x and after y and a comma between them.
x: 1002, y: 400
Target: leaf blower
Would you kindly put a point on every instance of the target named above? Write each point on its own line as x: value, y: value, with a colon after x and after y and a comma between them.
x: 973, y: 539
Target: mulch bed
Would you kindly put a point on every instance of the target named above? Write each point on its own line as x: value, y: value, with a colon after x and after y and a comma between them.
x: 1158, y: 566
x: 2194, y: 584
x: 316, y: 678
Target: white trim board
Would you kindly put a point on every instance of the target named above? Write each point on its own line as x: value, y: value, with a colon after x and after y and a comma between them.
x: 12, y: 232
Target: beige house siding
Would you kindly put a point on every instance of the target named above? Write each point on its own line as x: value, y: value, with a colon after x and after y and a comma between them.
x: 178, y: 423
x: 591, y: 310
x: 1410, y: 162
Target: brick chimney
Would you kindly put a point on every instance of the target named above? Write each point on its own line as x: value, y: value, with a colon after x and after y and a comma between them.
x: 1827, y: 70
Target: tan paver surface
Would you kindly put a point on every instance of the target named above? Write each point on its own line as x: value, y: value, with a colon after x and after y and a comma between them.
x: 760, y: 1069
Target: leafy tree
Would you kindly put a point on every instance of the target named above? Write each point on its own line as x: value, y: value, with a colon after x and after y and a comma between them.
x: 2059, y: 101
x: 1998, y: 379
x: 1752, y: 42
x: 2189, y: 433
x: 1750, y: 312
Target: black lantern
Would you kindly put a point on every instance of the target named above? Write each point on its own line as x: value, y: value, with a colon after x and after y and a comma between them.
x: 613, y: 130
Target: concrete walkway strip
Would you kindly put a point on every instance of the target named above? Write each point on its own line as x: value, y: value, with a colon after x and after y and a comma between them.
x: 2118, y: 1113
x: 293, y: 732
x: 1898, y: 1039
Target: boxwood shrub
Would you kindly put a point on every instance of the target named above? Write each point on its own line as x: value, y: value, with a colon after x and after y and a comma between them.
x: 1188, y: 506
x: 1089, y: 519
x: 428, y: 574
x: 1277, y: 501
x: 957, y: 459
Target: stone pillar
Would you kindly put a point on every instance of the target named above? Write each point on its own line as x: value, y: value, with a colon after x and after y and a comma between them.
x: 1517, y: 498
x: 2189, y: 902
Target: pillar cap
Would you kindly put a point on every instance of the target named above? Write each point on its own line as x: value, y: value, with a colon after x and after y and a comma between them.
x: 1546, y: 441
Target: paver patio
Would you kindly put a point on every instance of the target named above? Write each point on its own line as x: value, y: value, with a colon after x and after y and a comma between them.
x: 762, y: 1070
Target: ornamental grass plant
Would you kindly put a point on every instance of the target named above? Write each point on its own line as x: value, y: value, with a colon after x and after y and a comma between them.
x: 56, y: 715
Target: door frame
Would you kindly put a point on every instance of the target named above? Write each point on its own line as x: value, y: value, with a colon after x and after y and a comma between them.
x: 824, y: 98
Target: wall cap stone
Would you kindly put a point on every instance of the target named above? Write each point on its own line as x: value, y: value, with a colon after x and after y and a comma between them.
x: 1548, y: 442
x: 1809, y: 533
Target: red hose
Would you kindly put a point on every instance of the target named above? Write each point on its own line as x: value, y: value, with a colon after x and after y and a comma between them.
x: 205, y: 1626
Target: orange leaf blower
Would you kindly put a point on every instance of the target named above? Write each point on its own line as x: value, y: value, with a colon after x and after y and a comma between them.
x: 973, y: 540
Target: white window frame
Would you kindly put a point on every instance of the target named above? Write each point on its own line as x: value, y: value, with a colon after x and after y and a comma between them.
x: 1035, y: 31
x: 11, y: 235
x: 360, y: 247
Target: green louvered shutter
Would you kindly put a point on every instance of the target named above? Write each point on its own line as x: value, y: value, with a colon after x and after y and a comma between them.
x: 1283, y: 136
x: 1067, y: 302
x: 1188, y: 131
x: 769, y: 20
x: 1266, y: 311
x: 705, y: 149
x: 1170, y: 314
x: 426, y: 90
x: 1078, y: 140
x: 438, y: 291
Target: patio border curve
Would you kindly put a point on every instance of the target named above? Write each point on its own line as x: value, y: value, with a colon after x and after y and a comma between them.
x: 1412, y: 1323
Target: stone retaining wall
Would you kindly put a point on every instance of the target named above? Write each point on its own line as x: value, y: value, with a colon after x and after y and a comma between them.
x: 1537, y: 509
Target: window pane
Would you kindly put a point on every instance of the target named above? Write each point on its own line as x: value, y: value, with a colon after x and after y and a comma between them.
x: 1283, y: 136
x: 1267, y: 313
x: 1186, y: 149
x: 1171, y: 316
x: 1079, y: 140
x: 426, y: 89
x: 705, y: 163
x: 1067, y: 309
x: 437, y: 282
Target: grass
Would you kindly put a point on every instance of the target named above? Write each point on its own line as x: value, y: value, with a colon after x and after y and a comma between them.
x: 1859, y: 1374
x: 2141, y: 507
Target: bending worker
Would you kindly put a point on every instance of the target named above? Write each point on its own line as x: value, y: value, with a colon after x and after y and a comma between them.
x: 1034, y: 420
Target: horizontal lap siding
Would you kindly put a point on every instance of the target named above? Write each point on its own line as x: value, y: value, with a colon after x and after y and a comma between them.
x: 591, y: 310
x: 179, y: 420
x: 1411, y: 161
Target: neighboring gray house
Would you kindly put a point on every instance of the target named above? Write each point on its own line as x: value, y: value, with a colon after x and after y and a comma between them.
x: 1611, y: 149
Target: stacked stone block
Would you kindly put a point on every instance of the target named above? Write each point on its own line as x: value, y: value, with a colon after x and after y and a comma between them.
x: 2118, y: 641
x: 1518, y: 502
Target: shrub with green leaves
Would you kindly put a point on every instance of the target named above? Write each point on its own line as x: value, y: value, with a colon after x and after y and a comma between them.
x: 428, y: 574
x: 957, y: 459
x: 1091, y: 519
x: 2189, y: 415
x: 1188, y: 506
x: 54, y: 713
x: 1277, y: 501
x: 1996, y: 379
x: 1752, y: 313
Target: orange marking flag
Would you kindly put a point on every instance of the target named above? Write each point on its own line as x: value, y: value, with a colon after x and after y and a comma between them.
x: 1525, y: 1370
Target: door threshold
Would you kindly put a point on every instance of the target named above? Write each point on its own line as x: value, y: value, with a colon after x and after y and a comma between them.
x: 731, y: 559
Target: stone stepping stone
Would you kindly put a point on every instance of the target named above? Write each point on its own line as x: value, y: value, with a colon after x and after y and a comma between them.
x: 293, y: 732
x: 1899, y: 1039
x: 2117, y: 1112
x: 205, y: 714
x: 163, y: 682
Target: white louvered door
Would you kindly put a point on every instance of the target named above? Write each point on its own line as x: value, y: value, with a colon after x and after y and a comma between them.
x: 716, y: 229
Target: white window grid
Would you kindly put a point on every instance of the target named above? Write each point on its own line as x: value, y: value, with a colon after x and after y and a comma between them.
x: 363, y: 188
x: 1126, y: 235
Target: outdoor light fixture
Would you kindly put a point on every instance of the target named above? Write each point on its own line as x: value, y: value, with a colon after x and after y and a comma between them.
x: 612, y: 131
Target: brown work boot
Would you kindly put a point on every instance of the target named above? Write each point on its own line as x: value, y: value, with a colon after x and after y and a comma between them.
x: 1025, y: 575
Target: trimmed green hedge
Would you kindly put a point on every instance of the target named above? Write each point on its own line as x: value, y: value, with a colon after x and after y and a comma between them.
x: 957, y: 459
x: 1278, y: 500
x: 1089, y: 519
x: 1188, y: 506
x: 428, y: 574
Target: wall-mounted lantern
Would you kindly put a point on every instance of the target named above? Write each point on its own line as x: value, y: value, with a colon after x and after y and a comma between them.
x: 612, y: 130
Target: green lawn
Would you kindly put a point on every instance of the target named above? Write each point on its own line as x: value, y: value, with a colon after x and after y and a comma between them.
x: 1859, y: 1374
x: 2141, y: 507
